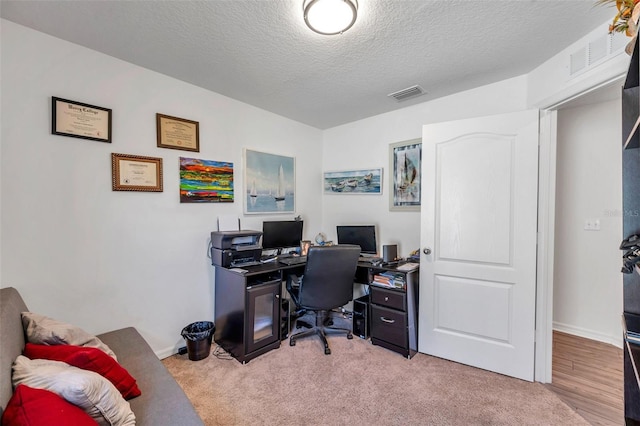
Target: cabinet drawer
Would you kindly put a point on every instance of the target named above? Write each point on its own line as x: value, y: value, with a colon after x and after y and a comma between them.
x: 389, y: 298
x: 389, y: 325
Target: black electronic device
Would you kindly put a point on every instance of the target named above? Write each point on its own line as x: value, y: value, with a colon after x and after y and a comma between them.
x: 285, y: 327
x: 235, y: 248
x: 361, y: 317
x: 360, y: 235
x: 389, y: 253
x: 292, y: 260
x: 281, y: 234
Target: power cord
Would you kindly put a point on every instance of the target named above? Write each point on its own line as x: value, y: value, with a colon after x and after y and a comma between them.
x: 220, y: 353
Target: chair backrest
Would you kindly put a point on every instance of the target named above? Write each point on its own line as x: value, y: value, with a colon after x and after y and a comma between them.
x: 328, y: 276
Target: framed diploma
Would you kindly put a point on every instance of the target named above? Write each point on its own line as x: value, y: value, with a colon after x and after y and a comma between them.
x: 136, y: 173
x: 178, y: 133
x: 78, y: 120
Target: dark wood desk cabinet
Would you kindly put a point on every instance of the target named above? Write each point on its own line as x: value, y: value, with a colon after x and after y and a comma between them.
x: 247, y: 311
x: 394, y: 313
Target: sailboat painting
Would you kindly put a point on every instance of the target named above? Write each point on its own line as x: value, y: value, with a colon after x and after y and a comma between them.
x: 405, y: 166
x: 269, y: 183
x: 205, y: 181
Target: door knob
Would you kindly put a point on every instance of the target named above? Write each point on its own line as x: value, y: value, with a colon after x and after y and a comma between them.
x: 426, y: 250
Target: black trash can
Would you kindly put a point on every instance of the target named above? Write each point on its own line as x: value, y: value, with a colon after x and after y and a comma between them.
x: 198, y: 336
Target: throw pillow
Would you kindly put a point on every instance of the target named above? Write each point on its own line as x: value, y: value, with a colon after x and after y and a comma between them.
x: 43, y: 330
x: 91, y: 359
x: 86, y: 389
x: 37, y: 407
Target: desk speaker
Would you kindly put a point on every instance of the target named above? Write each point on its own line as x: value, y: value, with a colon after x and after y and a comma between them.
x: 389, y: 253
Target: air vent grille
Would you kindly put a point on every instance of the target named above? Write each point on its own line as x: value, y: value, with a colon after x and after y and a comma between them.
x: 578, y: 60
x: 598, y: 49
x: 409, y: 92
x: 595, y: 52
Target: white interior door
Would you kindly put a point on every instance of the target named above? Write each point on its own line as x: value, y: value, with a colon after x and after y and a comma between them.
x: 479, y: 214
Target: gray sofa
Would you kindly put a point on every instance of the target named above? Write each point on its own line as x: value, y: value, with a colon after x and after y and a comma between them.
x: 162, y: 401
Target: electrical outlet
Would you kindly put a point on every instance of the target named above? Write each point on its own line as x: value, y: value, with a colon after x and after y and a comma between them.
x: 592, y: 224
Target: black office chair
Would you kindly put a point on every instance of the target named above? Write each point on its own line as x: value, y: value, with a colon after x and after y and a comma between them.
x: 327, y: 284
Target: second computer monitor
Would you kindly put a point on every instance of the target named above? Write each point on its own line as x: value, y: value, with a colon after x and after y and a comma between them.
x: 281, y: 234
x: 360, y: 235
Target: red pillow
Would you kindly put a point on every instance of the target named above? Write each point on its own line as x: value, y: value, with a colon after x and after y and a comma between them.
x: 40, y: 407
x: 87, y: 358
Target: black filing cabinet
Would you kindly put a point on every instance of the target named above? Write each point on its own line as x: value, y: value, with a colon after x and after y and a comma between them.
x: 394, y: 315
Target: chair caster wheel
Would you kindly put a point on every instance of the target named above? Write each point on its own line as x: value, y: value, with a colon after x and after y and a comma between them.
x: 327, y: 351
x: 292, y: 342
x: 349, y: 336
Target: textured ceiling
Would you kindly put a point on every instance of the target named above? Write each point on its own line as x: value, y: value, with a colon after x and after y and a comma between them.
x: 261, y: 53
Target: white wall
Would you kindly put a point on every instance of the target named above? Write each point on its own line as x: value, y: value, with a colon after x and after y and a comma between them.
x: 587, y: 279
x: 81, y: 253
x: 365, y: 144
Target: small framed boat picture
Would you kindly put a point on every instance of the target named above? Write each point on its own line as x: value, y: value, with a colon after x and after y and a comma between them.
x: 405, y: 160
x: 366, y: 181
x: 269, y: 183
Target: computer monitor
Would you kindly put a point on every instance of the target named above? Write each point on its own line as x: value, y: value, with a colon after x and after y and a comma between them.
x: 280, y: 234
x: 361, y: 235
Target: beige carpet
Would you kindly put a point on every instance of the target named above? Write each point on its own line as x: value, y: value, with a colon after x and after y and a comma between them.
x: 360, y: 383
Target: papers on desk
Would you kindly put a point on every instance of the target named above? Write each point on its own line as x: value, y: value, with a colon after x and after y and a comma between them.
x: 408, y: 267
x: 238, y: 270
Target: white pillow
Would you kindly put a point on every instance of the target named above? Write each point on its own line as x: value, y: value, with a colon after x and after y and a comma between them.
x: 43, y: 330
x: 97, y: 396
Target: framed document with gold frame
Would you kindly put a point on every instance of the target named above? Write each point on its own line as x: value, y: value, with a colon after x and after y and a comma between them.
x: 178, y: 133
x: 136, y: 173
x: 80, y: 120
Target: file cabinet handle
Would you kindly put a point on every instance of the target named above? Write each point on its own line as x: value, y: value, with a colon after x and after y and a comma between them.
x: 387, y: 320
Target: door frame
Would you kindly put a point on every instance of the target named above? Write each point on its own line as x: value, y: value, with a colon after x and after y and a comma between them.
x: 546, y: 225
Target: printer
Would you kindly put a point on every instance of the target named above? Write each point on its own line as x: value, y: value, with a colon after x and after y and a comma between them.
x: 235, y: 248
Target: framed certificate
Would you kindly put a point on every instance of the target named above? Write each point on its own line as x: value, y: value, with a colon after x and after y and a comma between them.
x: 79, y: 120
x: 136, y: 173
x: 178, y: 133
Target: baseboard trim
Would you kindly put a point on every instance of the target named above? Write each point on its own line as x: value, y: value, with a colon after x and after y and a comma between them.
x: 588, y: 334
x: 167, y: 352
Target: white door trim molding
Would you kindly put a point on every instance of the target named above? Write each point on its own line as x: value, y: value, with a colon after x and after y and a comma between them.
x: 546, y: 232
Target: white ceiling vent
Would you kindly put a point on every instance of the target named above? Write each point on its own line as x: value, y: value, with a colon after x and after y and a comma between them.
x: 409, y: 92
x: 578, y: 61
x: 618, y: 41
x: 596, y: 51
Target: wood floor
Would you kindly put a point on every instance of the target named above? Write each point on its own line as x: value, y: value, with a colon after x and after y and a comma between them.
x: 587, y: 375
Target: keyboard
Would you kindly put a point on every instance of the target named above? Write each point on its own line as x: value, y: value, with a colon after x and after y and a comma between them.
x: 369, y: 259
x: 293, y: 260
x: 244, y: 263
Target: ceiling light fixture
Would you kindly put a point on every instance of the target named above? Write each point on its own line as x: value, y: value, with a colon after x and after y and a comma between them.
x: 330, y: 17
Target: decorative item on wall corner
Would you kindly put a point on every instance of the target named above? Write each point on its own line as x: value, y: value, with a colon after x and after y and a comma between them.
x: 80, y: 120
x: 178, y: 133
x: 269, y: 183
x: 626, y: 20
x: 366, y: 181
x: 405, y: 175
x: 136, y: 173
x: 205, y: 181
